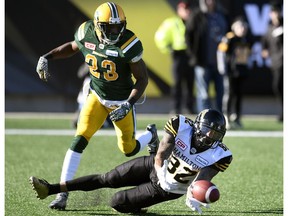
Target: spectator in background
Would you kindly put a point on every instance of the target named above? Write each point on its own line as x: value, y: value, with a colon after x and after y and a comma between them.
x: 232, y: 58
x: 170, y: 38
x: 272, y: 43
x: 204, y: 30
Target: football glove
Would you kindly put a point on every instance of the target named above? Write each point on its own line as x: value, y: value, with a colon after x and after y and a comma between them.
x: 161, y: 174
x: 193, y: 203
x: 120, y: 112
x: 42, y: 68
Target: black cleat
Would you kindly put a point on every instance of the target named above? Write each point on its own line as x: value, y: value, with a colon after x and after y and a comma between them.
x: 40, y: 186
x: 154, y: 143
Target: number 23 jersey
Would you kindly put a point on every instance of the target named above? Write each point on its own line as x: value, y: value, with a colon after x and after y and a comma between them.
x: 185, y: 162
x: 111, y: 76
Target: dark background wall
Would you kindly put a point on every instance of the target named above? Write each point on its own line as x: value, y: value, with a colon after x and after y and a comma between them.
x: 32, y: 28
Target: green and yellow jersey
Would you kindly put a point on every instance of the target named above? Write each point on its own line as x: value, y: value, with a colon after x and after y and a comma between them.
x: 110, y: 73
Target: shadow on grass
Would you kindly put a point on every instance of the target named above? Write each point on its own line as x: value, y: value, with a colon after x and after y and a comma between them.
x: 108, y: 213
x: 250, y: 212
x: 214, y: 213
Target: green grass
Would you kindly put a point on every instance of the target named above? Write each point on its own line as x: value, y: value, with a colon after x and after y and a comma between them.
x: 253, y: 184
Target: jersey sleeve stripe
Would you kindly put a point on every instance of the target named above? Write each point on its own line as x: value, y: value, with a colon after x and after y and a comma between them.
x: 221, y: 167
x: 81, y: 32
x: 128, y: 44
x: 170, y: 128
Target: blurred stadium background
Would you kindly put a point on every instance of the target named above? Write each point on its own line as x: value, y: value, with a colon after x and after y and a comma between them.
x: 45, y: 24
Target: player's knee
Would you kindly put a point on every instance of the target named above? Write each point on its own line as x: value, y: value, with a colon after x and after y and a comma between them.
x: 117, y: 202
x: 113, y: 179
x: 120, y: 203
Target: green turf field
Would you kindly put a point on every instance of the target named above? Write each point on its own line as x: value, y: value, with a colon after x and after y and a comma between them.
x: 253, y: 185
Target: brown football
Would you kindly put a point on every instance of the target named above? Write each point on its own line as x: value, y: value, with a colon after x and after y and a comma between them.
x: 205, y: 191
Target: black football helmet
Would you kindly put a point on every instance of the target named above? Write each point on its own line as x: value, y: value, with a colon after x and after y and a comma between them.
x: 210, y: 128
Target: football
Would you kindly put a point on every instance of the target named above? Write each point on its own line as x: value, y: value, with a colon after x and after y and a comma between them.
x: 205, y: 191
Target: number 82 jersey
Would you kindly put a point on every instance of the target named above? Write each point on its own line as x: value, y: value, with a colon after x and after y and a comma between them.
x: 185, y: 162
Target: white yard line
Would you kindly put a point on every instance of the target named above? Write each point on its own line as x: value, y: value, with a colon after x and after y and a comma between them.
x: 109, y: 132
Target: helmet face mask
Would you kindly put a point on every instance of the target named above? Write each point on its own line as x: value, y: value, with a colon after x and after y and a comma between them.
x: 210, y: 128
x: 203, y: 142
x: 110, y: 33
x: 110, y: 23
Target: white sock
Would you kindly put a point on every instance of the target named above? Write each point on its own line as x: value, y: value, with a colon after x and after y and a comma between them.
x: 70, y: 165
x: 144, y: 139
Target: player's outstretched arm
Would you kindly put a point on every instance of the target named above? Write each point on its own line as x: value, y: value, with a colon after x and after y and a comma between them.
x: 64, y: 51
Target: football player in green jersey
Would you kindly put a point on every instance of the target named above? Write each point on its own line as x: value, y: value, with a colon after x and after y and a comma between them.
x: 114, y: 55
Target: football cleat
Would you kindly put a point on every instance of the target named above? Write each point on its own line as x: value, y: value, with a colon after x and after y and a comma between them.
x: 60, y: 202
x: 40, y: 186
x: 154, y: 143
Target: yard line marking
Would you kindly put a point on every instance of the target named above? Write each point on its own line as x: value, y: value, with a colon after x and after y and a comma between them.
x: 111, y: 132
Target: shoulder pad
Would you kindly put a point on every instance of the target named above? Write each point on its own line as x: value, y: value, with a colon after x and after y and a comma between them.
x: 172, y: 126
x: 130, y: 47
x: 82, y: 30
x: 129, y: 41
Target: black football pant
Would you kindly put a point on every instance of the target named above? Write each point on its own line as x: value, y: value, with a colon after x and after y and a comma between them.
x: 137, y: 172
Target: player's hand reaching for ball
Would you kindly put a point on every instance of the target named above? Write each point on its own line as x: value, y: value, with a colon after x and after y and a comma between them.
x: 194, y: 204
